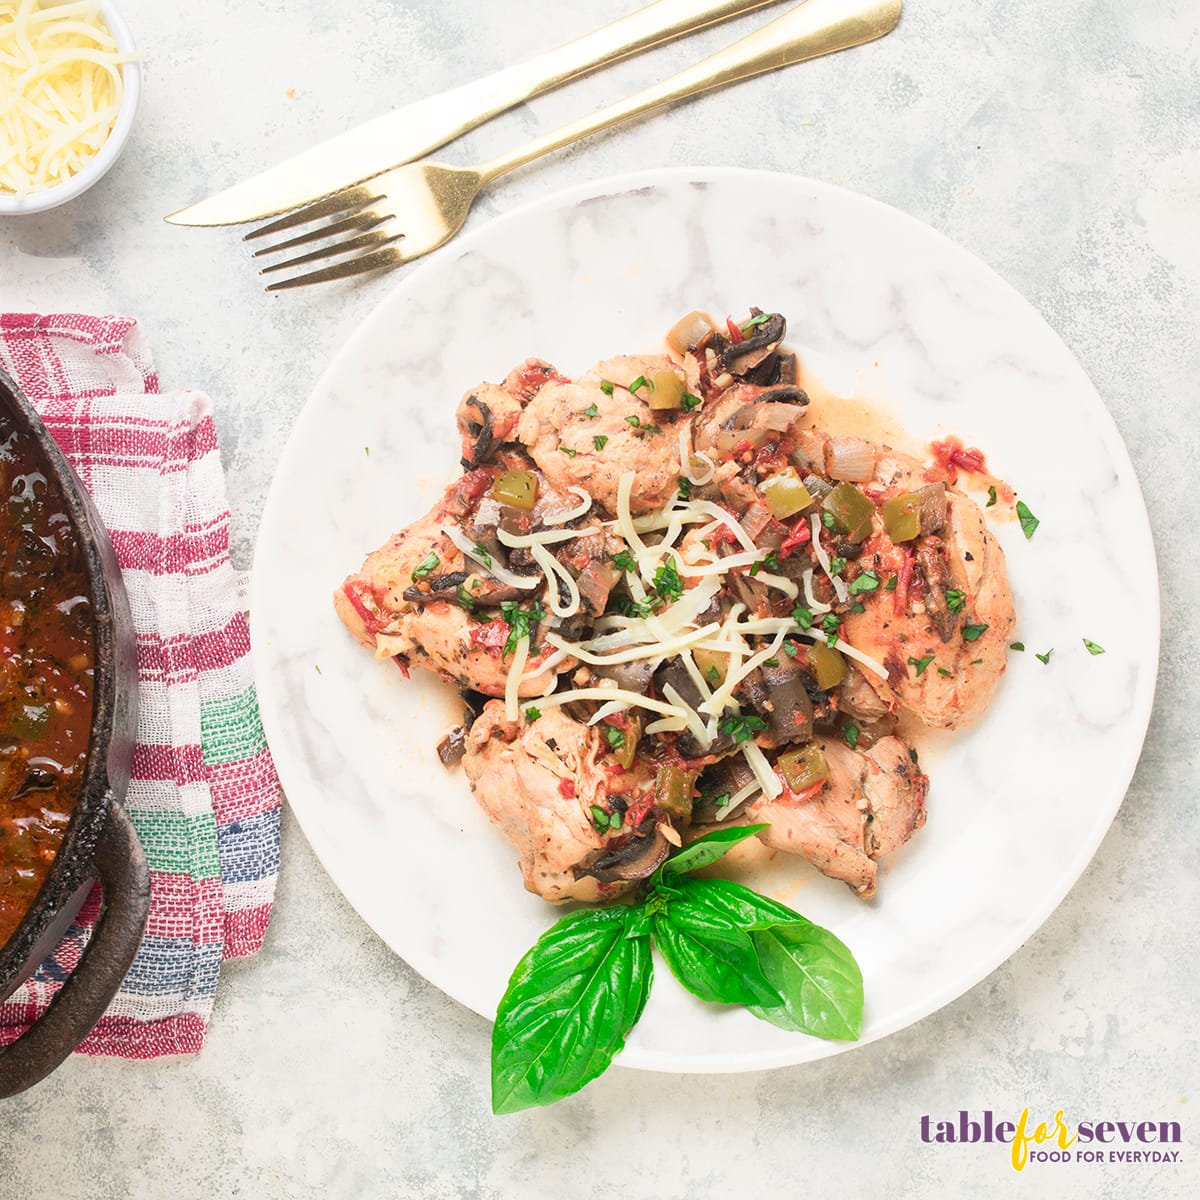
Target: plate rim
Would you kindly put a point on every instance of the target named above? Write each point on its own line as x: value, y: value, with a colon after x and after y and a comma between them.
x: 622, y: 184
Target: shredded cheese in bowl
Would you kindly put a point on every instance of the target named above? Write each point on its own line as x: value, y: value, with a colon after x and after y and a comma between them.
x: 68, y: 86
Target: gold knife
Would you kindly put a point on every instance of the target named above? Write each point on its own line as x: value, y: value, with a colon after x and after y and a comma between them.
x: 412, y: 131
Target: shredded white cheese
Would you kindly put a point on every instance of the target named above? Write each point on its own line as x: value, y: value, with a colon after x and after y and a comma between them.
x: 556, y: 571
x: 488, y: 563
x: 512, y: 686
x: 771, y: 784
x: 60, y: 91
x: 571, y: 513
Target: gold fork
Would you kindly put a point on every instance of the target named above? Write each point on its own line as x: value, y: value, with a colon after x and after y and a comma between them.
x: 403, y: 214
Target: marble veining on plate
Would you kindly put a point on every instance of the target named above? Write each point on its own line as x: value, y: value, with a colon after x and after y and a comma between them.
x: 1018, y: 804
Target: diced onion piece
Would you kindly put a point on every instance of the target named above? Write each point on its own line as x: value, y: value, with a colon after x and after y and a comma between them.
x: 571, y: 514
x: 851, y: 458
x: 688, y: 332
x: 485, y: 560
x: 512, y: 686
x: 822, y: 554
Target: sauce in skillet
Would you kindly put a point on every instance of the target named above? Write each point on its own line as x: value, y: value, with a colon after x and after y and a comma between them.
x: 45, y: 673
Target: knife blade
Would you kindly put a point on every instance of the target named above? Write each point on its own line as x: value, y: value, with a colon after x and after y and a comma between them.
x: 416, y: 129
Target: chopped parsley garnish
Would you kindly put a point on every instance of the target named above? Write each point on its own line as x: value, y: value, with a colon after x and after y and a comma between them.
x: 850, y: 733
x: 616, y: 820
x: 629, y: 607
x: 599, y: 441
x: 772, y: 562
x: 519, y: 621
x: 464, y: 598
x: 532, y: 714
x: 955, y: 599
x: 741, y: 727
x: 317, y: 666
x: 1045, y: 658
x: 837, y: 566
x: 568, y: 451
x: 920, y: 664
x: 636, y: 422
x: 791, y: 649
x: 688, y: 402
x: 1092, y: 648
x: 867, y: 581
x: 755, y: 322
x: 606, y: 387
x: 943, y: 671
x: 484, y: 556
x: 367, y: 451
x: 830, y: 624
x: 991, y: 497
x: 972, y: 633
x: 667, y: 583
x: 426, y: 566
x: 616, y: 739
x: 713, y: 675
x: 890, y: 586
x: 1017, y: 646
x: 974, y: 662
x: 770, y: 662
x: 722, y: 801
x: 640, y: 382
x: 685, y: 488
x: 601, y: 819
x: 591, y: 411
x: 827, y: 520
x: 625, y: 561
x: 802, y: 616
x: 858, y: 607
x: 1028, y: 521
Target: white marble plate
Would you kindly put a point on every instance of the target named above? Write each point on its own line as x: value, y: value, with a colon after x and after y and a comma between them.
x: 1018, y: 804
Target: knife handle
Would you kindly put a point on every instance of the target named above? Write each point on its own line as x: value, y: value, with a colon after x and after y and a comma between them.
x: 649, y: 26
x: 814, y: 28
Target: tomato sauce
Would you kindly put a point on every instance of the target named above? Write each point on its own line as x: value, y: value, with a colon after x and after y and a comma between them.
x: 46, y: 673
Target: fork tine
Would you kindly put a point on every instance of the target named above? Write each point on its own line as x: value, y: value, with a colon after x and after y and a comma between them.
x: 363, y: 221
x: 375, y: 237
x: 381, y: 259
x: 340, y: 202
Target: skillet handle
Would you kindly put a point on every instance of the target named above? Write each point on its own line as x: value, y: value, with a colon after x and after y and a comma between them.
x: 81, y: 1001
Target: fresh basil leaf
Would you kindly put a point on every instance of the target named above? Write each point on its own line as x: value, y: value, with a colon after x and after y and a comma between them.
x: 817, y: 977
x: 734, y: 904
x: 569, y: 1005
x: 706, y: 850
x: 711, y: 957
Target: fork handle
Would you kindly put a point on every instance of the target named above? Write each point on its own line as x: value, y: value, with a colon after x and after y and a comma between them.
x: 815, y: 28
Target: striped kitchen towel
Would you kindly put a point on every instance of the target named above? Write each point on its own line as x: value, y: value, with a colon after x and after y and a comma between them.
x: 204, y: 795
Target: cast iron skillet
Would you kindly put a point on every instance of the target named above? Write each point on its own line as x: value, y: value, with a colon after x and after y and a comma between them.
x: 100, y: 841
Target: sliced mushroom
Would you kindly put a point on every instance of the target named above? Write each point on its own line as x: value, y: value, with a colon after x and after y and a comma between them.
x: 933, y: 507
x: 780, y: 695
x: 740, y: 358
x: 439, y: 587
x: 482, y: 431
x: 935, y: 570
x: 637, y: 858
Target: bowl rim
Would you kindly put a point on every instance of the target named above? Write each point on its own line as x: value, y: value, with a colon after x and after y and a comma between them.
x: 102, y: 161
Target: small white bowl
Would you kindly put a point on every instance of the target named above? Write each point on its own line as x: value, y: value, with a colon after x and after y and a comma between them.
x: 103, y: 159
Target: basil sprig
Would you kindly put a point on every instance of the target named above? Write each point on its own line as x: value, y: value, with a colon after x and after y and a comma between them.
x: 573, y: 999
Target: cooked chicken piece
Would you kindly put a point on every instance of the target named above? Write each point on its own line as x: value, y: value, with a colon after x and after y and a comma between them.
x: 574, y: 448
x: 538, y: 783
x: 487, y: 416
x: 872, y: 802
x: 386, y: 608
x: 524, y: 382
x: 967, y: 648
